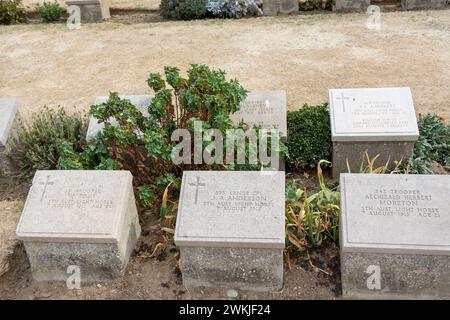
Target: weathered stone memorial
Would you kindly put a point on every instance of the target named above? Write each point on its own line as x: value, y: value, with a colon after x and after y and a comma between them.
x: 394, y: 234
x: 91, y: 10
x: 230, y: 229
x: 379, y: 121
x: 79, y: 219
x: 264, y: 108
x: 423, y: 4
x: 351, y: 5
x: 9, y: 117
x: 275, y: 7
x: 141, y: 102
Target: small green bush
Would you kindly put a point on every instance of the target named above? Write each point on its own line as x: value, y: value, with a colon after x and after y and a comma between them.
x: 433, y: 145
x: 310, y: 5
x: 183, y: 9
x: 309, y: 136
x: 48, y: 136
x: 311, y: 218
x: 50, y: 11
x: 11, y: 11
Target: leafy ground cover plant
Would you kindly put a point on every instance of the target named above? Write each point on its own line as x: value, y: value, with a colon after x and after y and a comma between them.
x: 11, y: 11
x: 230, y: 8
x: 309, y: 136
x: 433, y: 145
x: 50, y: 11
x: 143, y: 145
x: 183, y: 9
x: 42, y: 141
x: 311, y: 218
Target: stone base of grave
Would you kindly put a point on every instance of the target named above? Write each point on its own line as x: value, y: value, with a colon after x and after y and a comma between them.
x: 92, y: 10
x: 101, y: 254
x: 97, y: 261
x: 351, y: 5
x: 422, y: 4
x: 402, y: 276
x: 355, y: 153
x: 255, y: 269
x: 275, y: 7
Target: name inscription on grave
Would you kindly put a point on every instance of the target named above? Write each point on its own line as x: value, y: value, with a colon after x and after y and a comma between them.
x: 378, y: 114
x: 239, y: 200
x: 401, y: 203
x: 371, y: 112
x: 75, y: 198
x: 257, y: 107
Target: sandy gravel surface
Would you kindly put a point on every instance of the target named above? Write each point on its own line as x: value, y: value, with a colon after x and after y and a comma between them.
x: 304, y: 55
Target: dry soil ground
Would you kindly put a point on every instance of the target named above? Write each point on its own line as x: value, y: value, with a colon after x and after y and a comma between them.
x: 304, y: 55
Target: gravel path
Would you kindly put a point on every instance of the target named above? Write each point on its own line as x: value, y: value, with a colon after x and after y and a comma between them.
x: 305, y: 55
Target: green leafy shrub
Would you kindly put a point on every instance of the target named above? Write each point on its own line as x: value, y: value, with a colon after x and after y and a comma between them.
x: 433, y: 145
x: 142, y: 144
x: 11, y: 11
x: 309, y: 136
x: 311, y: 219
x: 183, y: 9
x: 48, y: 136
x: 310, y: 5
x: 229, y: 8
x: 50, y: 11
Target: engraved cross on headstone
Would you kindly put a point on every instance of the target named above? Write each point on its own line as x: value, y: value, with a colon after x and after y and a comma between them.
x: 196, y: 185
x: 45, y: 184
x: 343, y: 98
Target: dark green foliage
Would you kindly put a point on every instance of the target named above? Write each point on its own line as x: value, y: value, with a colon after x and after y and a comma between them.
x: 11, y: 11
x: 142, y: 144
x: 49, y: 135
x: 433, y: 145
x: 310, y: 5
x: 146, y: 196
x: 183, y: 9
x: 50, y: 11
x: 309, y: 136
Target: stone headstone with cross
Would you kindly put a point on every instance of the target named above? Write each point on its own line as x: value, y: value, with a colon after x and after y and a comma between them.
x: 141, y: 102
x: 85, y: 219
x: 377, y: 121
x: 264, y: 108
x: 394, y: 236
x: 230, y: 229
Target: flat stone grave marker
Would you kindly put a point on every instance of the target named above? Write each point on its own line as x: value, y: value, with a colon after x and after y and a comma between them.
x: 86, y: 219
x: 8, y: 115
x: 274, y: 7
x: 394, y: 234
x: 379, y: 121
x: 92, y: 10
x: 230, y: 229
x: 141, y: 102
x: 351, y: 5
x: 265, y: 108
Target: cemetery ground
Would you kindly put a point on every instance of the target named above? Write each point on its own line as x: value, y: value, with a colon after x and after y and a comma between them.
x: 305, y: 55
x: 152, y: 274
